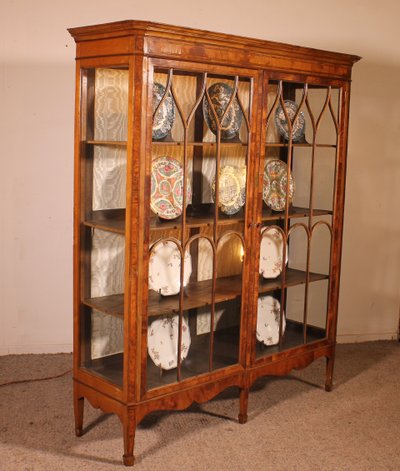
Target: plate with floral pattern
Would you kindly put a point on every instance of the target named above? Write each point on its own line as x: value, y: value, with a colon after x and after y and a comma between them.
x: 162, y: 341
x: 274, y: 184
x: 298, y: 127
x: 271, y: 253
x: 165, y: 116
x: 165, y: 268
x: 167, y: 188
x: 232, y: 189
x: 220, y: 94
x: 268, y: 317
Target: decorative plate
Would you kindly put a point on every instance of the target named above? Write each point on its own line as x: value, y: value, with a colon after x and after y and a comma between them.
x: 275, y: 181
x: 271, y: 253
x: 165, y: 268
x: 298, y: 127
x: 167, y: 188
x: 164, y: 119
x: 268, y: 314
x: 220, y: 94
x: 232, y: 189
x: 162, y: 341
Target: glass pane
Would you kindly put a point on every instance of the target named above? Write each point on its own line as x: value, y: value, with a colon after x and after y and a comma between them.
x: 298, y: 194
x: 103, y: 155
x: 200, y: 134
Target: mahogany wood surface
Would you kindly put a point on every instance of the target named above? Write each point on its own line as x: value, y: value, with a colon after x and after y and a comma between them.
x: 114, y: 221
x: 122, y: 383
x: 197, y: 294
x: 168, y: 41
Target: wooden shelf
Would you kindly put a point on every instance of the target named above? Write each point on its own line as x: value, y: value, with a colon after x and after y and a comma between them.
x: 199, y: 220
x: 117, y: 225
x: 294, y: 212
x: 208, y: 220
x: 107, y: 143
x: 292, y: 338
x: 225, y: 354
x: 111, y: 220
x: 298, y: 144
x: 109, y: 368
x: 199, y: 294
x: 195, y: 295
x: 293, y: 278
x: 168, y: 143
x: 112, y: 305
x: 206, y: 144
x: 199, y: 144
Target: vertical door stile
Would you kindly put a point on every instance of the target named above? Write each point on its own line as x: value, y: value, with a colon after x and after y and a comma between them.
x: 338, y: 209
x: 335, y: 187
x: 256, y: 221
x: 131, y: 360
x: 78, y: 150
x: 144, y: 82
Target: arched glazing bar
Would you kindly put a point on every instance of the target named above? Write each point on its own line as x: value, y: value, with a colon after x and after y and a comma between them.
x: 187, y: 119
x: 288, y: 148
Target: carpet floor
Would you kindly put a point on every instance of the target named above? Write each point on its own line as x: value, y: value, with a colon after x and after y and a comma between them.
x: 293, y: 423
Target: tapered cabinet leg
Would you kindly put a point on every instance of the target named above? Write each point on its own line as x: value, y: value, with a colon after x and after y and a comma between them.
x: 243, y: 404
x: 129, y: 426
x: 329, y: 373
x: 78, y: 411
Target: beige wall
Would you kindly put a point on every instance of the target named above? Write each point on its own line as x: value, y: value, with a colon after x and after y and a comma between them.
x: 37, y: 96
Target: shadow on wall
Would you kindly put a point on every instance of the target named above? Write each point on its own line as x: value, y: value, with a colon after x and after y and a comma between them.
x: 370, y: 297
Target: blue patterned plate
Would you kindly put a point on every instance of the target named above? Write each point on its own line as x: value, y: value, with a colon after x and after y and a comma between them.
x: 220, y: 94
x: 298, y: 127
x: 165, y: 116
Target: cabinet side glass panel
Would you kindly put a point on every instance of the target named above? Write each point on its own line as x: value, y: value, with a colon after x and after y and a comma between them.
x: 299, y: 175
x: 104, y: 113
x: 201, y: 128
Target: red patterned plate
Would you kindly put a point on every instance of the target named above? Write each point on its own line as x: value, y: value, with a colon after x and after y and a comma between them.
x: 275, y: 184
x: 167, y: 188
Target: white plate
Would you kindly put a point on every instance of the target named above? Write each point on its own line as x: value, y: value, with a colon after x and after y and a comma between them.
x: 268, y: 313
x: 271, y: 253
x: 165, y: 268
x: 162, y: 341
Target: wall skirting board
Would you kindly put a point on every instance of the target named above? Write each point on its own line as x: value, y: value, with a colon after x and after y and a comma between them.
x: 38, y: 348
x: 367, y: 337
x: 67, y: 347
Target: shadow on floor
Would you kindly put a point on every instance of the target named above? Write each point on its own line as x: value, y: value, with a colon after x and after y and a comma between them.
x: 39, y: 415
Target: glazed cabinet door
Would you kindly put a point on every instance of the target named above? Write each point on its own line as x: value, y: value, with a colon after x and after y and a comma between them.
x: 103, y: 88
x: 200, y: 138
x: 299, y: 212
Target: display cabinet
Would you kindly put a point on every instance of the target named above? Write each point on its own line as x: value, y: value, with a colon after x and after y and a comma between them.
x: 209, y: 192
